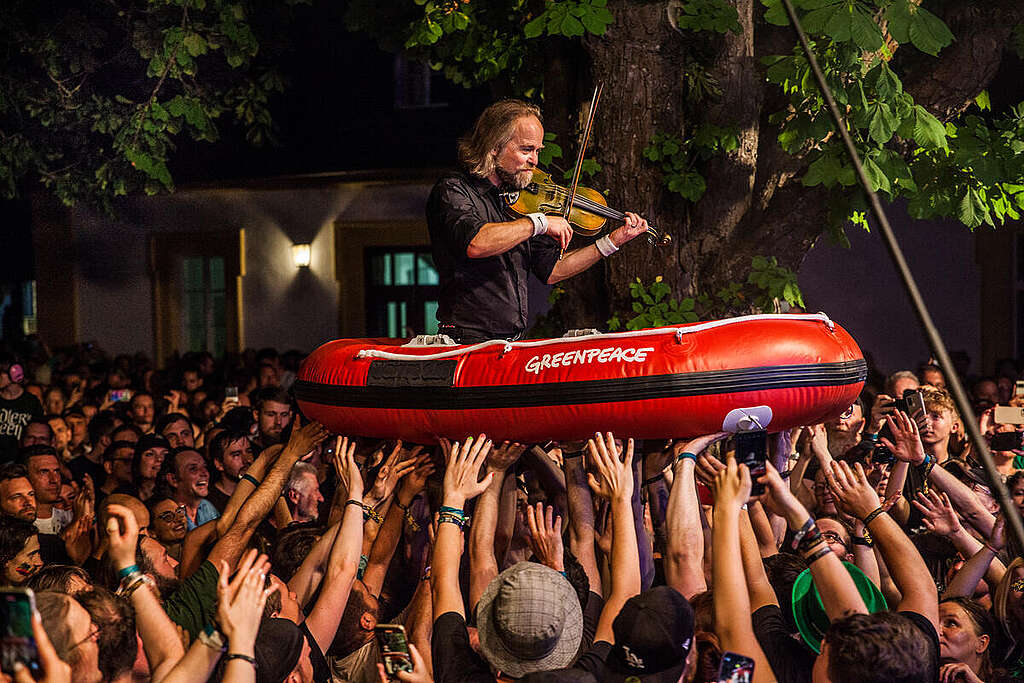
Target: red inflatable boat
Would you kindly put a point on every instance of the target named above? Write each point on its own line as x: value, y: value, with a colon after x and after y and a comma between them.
x: 776, y: 371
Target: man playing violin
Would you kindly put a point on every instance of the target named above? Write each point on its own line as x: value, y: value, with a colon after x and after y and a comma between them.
x: 482, y: 255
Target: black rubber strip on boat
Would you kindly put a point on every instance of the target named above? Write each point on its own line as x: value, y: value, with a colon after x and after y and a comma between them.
x: 585, y: 391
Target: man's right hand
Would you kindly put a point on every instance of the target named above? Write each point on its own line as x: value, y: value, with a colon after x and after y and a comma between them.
x: 560, y: 231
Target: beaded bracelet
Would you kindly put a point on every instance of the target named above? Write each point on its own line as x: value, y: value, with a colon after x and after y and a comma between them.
x: 131, y: 569
x: 409, y: 518
x: 461, y: 522
x: 370, y: 514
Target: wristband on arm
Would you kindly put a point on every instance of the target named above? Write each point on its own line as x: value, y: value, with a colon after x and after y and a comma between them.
x: 606, y: 246
x: 540, y: 223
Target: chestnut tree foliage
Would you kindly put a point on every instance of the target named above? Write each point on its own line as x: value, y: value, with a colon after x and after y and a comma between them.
x: 712, y: 127
x: 96, y: 94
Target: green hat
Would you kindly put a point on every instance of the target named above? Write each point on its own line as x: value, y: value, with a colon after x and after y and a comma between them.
x: 809, y: 613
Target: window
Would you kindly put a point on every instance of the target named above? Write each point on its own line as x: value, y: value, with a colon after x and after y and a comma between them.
x: 205, y: 325
x: 401, y: 292
x: 413, y: 81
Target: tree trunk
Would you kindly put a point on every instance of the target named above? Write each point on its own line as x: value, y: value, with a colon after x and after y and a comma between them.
x: 754, y: 203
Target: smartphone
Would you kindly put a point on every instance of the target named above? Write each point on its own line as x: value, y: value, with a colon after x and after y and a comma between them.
x: 231, y: 394
x: 118, y: 395
x: 1006, y: 441
x: 735, y: 668
x: 1009, y: 415
x: 17, y: 642
x: 752, y: 451
x: 394, y: 649
x: 913, y: 404
x: 1018, y: 388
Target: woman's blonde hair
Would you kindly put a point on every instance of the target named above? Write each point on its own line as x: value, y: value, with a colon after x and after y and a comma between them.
x: 492, y: 131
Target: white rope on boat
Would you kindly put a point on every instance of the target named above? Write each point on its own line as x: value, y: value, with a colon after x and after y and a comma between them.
x: 678, y: 331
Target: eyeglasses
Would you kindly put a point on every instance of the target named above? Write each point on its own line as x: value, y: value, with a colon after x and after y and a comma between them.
x: 833, y: 537
x: 169, y: 515
x: 848, y: 412
x: 94, y: 634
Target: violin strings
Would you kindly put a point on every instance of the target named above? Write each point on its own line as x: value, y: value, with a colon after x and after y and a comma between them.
x: 608, y: 212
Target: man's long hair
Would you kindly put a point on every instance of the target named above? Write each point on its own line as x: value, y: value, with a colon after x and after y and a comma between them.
x: 492, y: 131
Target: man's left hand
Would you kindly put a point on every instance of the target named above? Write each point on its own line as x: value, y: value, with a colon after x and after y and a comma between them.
x: 634, y: 226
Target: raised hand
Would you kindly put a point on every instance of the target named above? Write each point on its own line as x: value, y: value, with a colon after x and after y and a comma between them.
x: 350, y: 479
x: 545, y: 535
x: 240, y: 602
x: 614, y: 479
x: 413, y: 484
x: 461, y: 481
x: 708, y: 467
x: 906, y: 441
x: 700, y: 444
x: 305, y: 438
x: 938, y: 513
x: 731, y: 485
x: 122, y: 536
x: 394, y: 468
x: 55, y: 670
x: 880, y: 409
x: 419, y: 673
x: 778, y: 497
x: 997, y: 539
x: 505, y: 455
x: 851, y: 489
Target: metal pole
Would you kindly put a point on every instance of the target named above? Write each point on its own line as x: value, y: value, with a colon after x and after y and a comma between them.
x: 1013, y: 520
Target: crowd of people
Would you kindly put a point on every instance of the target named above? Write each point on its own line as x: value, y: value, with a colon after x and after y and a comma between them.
x: 188, y: 524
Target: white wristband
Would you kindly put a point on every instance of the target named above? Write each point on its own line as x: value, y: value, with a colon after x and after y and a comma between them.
x: 540, y: 223
x: 606, y: 246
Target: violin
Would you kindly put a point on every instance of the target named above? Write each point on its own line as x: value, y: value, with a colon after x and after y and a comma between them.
x: 587, y: 215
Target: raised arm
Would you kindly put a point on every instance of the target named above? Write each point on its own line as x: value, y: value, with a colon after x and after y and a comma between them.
x: 684, y: 561
x: 384, y: 546
x: 581, y: 517
x: 460, y: 485
x: 343, y: 562
x: 230, y: 546
x: 614, y: 483
x: 733, y: 625
x: 838, y: 592
x: 483, y: 565
x: 159, y: 637
x: 855, y: 496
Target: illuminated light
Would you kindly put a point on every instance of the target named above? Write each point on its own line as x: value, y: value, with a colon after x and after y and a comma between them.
x: 300, y: 255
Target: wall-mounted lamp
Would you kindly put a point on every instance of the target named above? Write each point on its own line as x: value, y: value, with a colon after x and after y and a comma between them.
x: 300, y: 255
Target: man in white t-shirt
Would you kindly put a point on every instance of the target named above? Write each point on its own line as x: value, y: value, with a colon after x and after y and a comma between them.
x: 44, y: 475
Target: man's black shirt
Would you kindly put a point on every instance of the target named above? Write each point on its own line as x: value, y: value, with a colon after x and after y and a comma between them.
x: 485, y: 298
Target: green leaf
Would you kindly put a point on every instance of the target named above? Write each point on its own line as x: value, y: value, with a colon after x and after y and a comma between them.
x: 983, y: 101
x: 879, y: 181
x: 899, y: 19
x: 882, y: 123
x: 864, y: 31
x: 928, y: 33
x: 887, y: 83
x: 535, y: 28
x: 970, y: 209
x: 775, y: 13
x: 195, y: 44
x: 928, y: 130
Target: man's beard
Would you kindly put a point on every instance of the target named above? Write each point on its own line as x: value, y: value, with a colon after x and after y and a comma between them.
x: 518, y: 180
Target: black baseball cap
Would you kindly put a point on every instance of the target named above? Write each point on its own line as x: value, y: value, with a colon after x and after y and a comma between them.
x: 653, y: 636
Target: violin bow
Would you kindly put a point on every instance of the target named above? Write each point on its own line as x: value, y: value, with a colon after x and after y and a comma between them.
x: 567, y: 207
